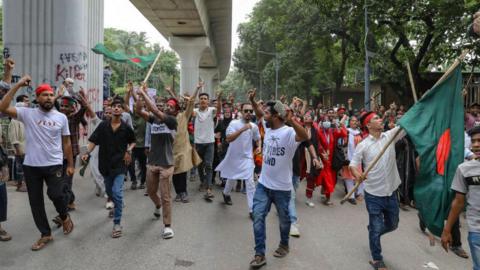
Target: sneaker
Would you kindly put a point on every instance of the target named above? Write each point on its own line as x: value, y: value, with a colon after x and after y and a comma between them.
x: 133, y: 186
x: 184, y: 197
x: 281, y: 251
x: 294, y: 230
x: 156, y: 213
x: 109, y: 205
x: 167, y: 233
x: 4, y: 236
x: 227, y: 199
x: 258, y: 262
x: 309, y: 203
x: 178, y: 198
x: 142, y: 186
x: 22, y: 187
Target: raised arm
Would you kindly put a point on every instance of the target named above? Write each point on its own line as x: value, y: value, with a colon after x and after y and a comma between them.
x: 84, y: 103
x: 256, y: 108
x: 126, y: 98
x: 219, y: 102
x: 169, y: 90
x: 301, y: 133
x: 191, y: 101
x: 8, y: 67
x: 150, y: 105
x: 7, y: 99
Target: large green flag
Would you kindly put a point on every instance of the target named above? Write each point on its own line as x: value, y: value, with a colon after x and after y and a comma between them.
x: 435, y: 125
x: 137, y: 60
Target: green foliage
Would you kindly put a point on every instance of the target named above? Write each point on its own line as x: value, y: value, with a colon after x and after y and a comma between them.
x: 320, y: 43
x: 136, y: 43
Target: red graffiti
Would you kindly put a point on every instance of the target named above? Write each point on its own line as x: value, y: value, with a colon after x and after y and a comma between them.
x: 77, y: 72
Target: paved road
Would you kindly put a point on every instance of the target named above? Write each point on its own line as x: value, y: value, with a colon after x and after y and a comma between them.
x: 211, y: 236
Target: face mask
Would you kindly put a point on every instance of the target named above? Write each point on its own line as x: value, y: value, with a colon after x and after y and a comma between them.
x: 326, y: 124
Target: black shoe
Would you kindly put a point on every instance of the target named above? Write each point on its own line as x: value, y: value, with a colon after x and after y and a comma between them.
x: 352, y: 201
x: 251, y: 215
x: 142, y: 186
x: 227, y: 199
x: 421, y: 224
x: 133, y: 186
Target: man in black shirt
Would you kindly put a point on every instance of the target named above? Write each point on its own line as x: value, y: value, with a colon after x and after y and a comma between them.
x: 116, y: 141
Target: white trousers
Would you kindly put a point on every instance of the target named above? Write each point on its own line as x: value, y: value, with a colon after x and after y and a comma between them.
x: 350, y: 184
x: 250, y: 186
x: 96, y: 175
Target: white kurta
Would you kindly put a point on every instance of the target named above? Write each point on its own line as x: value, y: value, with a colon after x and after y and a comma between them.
x: 238, y: 162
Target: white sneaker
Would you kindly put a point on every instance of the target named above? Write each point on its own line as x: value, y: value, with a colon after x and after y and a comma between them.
x: 294, y: 230
x: 167, y: 233
x: 109, y: 205
x: 156, y: 213
x: 309, y: 203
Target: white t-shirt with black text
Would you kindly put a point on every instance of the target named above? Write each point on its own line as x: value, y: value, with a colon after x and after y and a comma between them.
x: 43, y: 133
x: 279, y: 146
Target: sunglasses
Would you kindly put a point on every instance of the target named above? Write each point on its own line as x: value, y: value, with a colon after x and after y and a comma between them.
x: 248, y: 111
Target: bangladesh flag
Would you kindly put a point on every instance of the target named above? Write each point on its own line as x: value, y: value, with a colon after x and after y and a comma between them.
x: 137, y: 60
x: 435, y: 125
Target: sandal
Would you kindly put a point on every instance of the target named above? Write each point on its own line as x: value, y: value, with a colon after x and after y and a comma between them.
x: 460, y: 252
x: 281, y: 251
x: 58, y: 221
x: 378, y: 265
x: 258, y: 262
x: 4, y: 236
x: 67, y: 225
x: 117, y: 231
x: 41, y: 243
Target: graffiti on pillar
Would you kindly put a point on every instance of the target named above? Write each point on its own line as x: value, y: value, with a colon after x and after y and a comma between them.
x: 71, y: 65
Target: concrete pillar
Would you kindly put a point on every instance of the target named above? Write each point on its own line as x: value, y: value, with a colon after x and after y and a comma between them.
x: 48, y: 39
x: 95, y: 61
x: 190, y: 50
x: 207, y: 75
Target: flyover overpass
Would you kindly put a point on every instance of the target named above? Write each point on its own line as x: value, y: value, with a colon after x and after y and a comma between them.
x: 199, y: 31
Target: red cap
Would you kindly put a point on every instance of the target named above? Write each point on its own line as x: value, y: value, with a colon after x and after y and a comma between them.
x: 42, y: 88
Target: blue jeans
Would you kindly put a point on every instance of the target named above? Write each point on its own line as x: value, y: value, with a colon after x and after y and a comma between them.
x: 383, y: 218
x: 114, y: 189
x: 262, y: 202
x: 205, y: 151
x: 291, y: 205
x: 474, y: 242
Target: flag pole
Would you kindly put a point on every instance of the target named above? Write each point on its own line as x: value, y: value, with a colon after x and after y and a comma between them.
x: 412, y: 83
x: 151, y: 68
x: 455, y: 64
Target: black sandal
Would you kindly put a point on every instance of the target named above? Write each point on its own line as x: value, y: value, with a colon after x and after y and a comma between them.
x: 378, y: 265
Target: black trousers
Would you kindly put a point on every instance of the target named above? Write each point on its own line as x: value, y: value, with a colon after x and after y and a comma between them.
x: 52, y: 176
x: 68, y: 182
x: 3, y: 202
x: 180, y: 182
x: 138, y: 154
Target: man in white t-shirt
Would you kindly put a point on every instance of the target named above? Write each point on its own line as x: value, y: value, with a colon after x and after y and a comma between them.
x: 238, y: 162
x: 47, y: 134
x: 204, y: 139
x: 275, y: 182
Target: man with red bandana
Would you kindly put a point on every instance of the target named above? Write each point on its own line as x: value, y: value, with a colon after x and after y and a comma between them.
x: 381, y: 182
x: 47, y: 141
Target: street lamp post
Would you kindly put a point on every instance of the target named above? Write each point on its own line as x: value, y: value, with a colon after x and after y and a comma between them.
x: 277, y: 68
